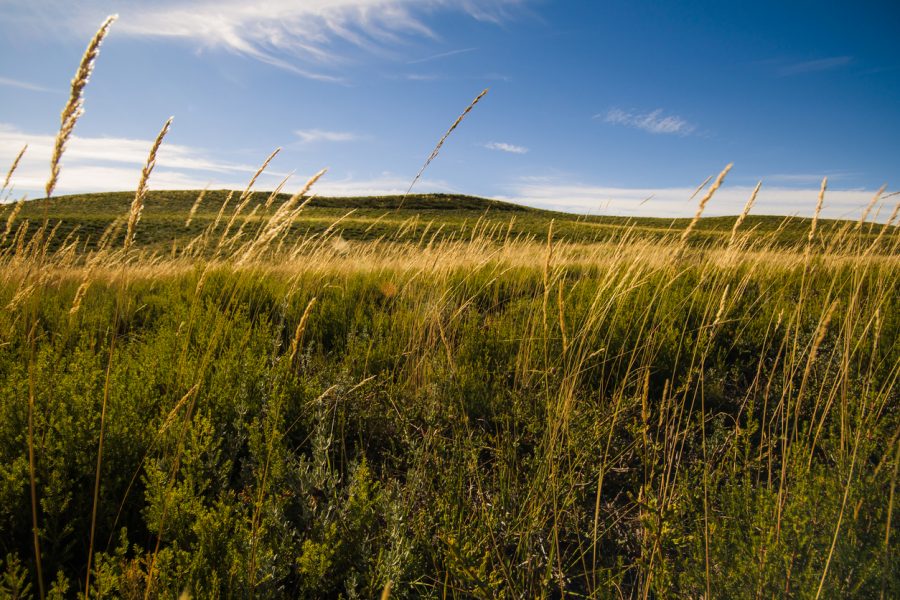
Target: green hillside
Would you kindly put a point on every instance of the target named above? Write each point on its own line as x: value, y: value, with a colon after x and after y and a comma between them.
x: 368, y: 218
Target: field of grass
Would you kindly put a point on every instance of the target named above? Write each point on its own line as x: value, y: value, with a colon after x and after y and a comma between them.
x: 251, y: 395
x: 464, y: 401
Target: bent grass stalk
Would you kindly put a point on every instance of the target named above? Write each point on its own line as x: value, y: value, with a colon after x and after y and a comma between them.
x: 440, y: 143
x: 703, y: 201
x: 137, y: 205
x: 13, y: 167
x: 74, y: 108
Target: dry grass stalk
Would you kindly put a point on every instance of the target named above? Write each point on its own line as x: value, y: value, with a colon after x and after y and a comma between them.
x: 301, y: 327
x: 868, y: 209
x: 195, y: 206
x: 547, y: 263
x: 703, y: 201
x: 201, y: 281
x: 109, y: 233
x: 13, y: 167
x: 699, y: 187
x: 74, y: 108
x: 744, y: 213
x: 721, y: 311
x: 82, y: 290
x: 281, y: 221
x: 277, y: 190
x: 12, y: 219
x: 245, y: 197
x: 137, y: 205
x: 170, y: 418
x: 561, y: 302
x: 819, y: 202
x: 246, y: 193
x: 440, y: 143
x: 221, y: 211
x: 884, y: 228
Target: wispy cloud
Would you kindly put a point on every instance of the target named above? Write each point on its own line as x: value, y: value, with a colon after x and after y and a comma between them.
x: 814, y: 66
x: 309, y: 136
x: 805, y: 178
x: 95, y: 164
x: 652, y: 122
x: 504, y: 147
x: 23, y: 85
x: 441, y: 55
x: 675, y: 201
x: 310, y: 38
x: 381, y: 185
x: 104, y: 164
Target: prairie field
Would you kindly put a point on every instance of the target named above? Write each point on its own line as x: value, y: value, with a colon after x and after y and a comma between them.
x: 260, y: 394
x: 465, y: 401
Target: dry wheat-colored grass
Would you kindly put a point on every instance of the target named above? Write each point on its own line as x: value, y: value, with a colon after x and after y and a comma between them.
x: 703, y: 201
x: 137, y: 205
x: 74, y: 108
x: 441, y: 141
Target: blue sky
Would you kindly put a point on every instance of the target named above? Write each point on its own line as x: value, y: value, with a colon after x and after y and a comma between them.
x: 593, y: 106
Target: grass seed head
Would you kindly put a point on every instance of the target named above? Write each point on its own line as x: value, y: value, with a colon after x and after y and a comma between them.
x: 74, y: 108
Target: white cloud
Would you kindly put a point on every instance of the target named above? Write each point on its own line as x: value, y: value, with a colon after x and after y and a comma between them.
x: 675, y: 201
x: 504, y: 147
x: 383, y: 185
x: 106, y: 164
x: 301, y: 36
x: 808, y: 179
x: 308, y: 136
x: 653, y: 122
x: 23, y: 85
x: 114, y: 164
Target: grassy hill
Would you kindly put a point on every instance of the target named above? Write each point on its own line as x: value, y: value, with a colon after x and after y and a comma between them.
x: 368, y: 218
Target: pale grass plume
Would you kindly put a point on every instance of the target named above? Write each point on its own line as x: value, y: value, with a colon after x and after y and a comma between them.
x: 277, y: 190
x: 744, y: 213
x: 201, y: 281
x: 703, y: 201
x: 700, y: 187
x: 721, y: 312
x: 440, y: 143
x: 245, y: 197
x: 195, y: 206
x: 170, y: 418
x: 137, y: 205
x: 109, y: 233
x: 221, y: 211
x: 884, y: 228
x: 868, y: 209
x: 13, y: 167
x: 301, y: 328
x: 547, y: 262
x: 12, y: 219
x: 259, y: 172
x: 281, y: 221
x: 74, y: 108
x: 819, y: 202
x: 561, y: 303
x: 81, y: 291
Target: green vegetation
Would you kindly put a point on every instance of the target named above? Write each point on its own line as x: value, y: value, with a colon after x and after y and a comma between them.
x: 165, y: 213
x: 477, y: 414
